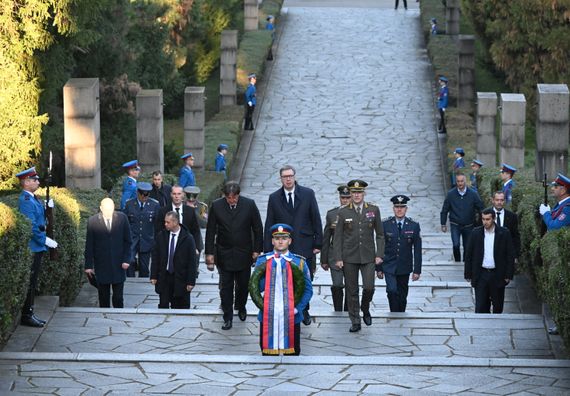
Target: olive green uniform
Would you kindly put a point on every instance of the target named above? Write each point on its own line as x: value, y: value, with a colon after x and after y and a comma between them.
x: 328, y: 257
x: 358, y: 240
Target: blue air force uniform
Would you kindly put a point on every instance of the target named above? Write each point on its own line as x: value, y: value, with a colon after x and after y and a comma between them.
x: 509, y: 184
x: 130, y: 183
x: 142, y: 217
x: 402, y: 255
x: 186, y: 177
x: 250, y: 102
x: 559, y: 216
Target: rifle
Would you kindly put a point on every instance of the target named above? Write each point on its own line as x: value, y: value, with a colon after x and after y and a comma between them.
x: 545, y: 186
x: 53, y: 255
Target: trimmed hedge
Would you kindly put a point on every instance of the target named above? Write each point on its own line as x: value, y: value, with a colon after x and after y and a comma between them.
x: 15, y: 262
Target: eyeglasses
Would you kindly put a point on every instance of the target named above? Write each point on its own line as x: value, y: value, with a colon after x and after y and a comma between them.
x: 287, y: 176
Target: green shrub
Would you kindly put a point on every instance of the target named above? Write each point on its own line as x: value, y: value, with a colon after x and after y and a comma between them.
x: 15, y: 263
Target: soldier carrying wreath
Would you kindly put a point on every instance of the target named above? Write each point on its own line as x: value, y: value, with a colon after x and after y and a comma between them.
x: 284, y: 279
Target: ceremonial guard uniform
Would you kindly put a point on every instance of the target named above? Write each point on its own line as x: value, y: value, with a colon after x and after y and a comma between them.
x: 475, y: 177
x: 130, y: 182
x: 507, y: 173
x: 279, y: 315
x: 200, y: 208
x: 142, y: 213
x: 358, y: 246
x: 403, y: 254
x: 186, y: 177
x: 328, y: 259
x: 221, y: 159
x: 250, y: 102
x: 559, y: 216
x: 31, y: 207
x: 458, y: 163
x: 442, y: 102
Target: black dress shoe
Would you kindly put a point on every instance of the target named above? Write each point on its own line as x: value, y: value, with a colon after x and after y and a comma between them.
x: 39, y: 320
x: 30, y: 320
x: 227, y: 325
x: 306, y: 318
x: 242, y: 314
x: 354, y: 328
x: 367, y: 319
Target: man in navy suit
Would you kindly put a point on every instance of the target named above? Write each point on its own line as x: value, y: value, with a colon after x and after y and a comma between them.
x: 108, y: 252
x: 297, y: 206
x: 402, y: 237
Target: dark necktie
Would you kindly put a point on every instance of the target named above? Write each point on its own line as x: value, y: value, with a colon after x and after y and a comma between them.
x: 358, y: 210
x: 170, y: 267
x: 290, y: 201
x: 232, y: 207
x: 142, y: 205
x: 499, y: 218
x: 178, y: 212
x: 399, y: 228
x: 108, y: 223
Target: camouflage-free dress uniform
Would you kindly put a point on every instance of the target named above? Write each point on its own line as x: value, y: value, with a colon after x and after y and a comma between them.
x: 358, y: 240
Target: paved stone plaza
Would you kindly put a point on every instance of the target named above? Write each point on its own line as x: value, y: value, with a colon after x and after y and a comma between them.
x: 349, y: 96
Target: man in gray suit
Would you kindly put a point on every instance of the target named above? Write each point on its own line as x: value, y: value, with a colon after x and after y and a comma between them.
x: 359, y: 247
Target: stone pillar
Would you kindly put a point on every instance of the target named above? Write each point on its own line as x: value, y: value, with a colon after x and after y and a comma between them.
x: 82, y: 133
x: 486, y: 131
x: 228, y: 61
x: 552, y: 130
x: 466, y: 83
x: 250, y: 15
x: 452, y: 16
x: 513, y: 115
x: 150, y: 130
x: 194, y: 121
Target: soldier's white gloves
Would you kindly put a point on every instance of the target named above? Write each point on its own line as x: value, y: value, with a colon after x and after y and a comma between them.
x: 543, y: 209
x: 250, y: 104
x: 50, y: 243
x: 50, y: 203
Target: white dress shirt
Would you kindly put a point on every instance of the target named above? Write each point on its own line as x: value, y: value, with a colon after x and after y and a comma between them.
x: 488, y: 257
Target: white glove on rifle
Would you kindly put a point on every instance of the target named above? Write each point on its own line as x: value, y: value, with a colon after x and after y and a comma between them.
x: 543, y: 209
x: 250, y: 104
x: 50, y: 203
x: 50, y: 243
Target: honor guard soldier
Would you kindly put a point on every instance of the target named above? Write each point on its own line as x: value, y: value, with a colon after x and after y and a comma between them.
x: 328, y: 259
x: 507, y: 173
x: 358, y: 247
x: 458, y: 163
x: 186, y: 177
x: 130, y: 183
x: 475, y: 177
x: 250, y: 102
x: 200, y: 208
x: 142, y: 213
x: 559, y: 216
x: 221, y: 159
x: 31, y: 207
x: 402, y: 256
x: 442, y: 102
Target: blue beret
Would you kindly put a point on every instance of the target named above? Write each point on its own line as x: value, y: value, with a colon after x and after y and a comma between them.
x: 131, y: 164
x: 459, y: 150
x: 281, y: 229
x: 28, y: 174
x: 562, y: 180
x: 222, y: 147
x: 144, y: 186
x: 477, y: 162
x: 443, y: 78
x: 184, y: 156
x: 508, y: 168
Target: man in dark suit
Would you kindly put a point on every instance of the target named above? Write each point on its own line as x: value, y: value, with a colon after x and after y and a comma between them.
x: 108, y: 252
x: 187, y: 217
x: 160, y: 190
x: 489, y: 263
x: 173, y: 269
x: 506, y: 218
x: 234, y: 239
x: 297, y: 206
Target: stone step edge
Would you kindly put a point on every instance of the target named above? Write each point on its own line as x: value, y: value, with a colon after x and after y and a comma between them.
x: 294, y: 360
x: 314, y: 313
x: 420, y: 283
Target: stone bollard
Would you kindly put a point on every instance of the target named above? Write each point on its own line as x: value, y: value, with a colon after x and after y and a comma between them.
x: 250, y: 15
x: 194, y: 121
x: 466, y: 74
x: 552, y: 130
x: 150, y: 130
x: 228, y: 61
x: 486, y: 131
x: 82, y: 131
x: 452, y: 16
x: 513, y: 115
